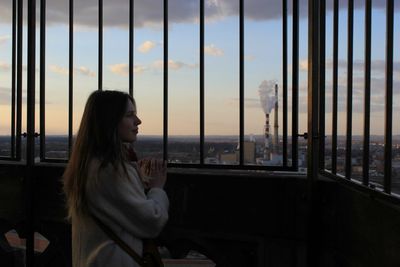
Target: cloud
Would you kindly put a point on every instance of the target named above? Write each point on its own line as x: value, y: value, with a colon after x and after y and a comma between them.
x: 58, y: 70
x: 4, y: 39
x: 303, y: 65
x: 85, y: 71
x: 377, y: 66
x: 4, y: 66
x: 5, y: 96
x: 122, y: 69
x: 80, y: 70
x: 174, y: 65
x: 212, y: 50
x: 149, y: 13
x: 146, y: 46
x: 249, y: 58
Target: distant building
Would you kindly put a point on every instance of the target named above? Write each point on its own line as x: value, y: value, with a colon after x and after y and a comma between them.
x: 234, y: 157
x: 228, y: 158
x: 250, y: 152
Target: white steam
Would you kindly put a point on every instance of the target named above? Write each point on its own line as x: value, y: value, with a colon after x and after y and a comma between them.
x: 267, y: 95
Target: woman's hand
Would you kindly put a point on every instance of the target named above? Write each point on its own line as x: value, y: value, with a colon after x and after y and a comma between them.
x: 154, y: 172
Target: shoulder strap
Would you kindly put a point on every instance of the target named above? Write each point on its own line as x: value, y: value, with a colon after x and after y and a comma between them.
x: 118, y: 240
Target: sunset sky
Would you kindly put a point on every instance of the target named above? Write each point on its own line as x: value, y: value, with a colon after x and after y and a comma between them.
x: 263, y: 61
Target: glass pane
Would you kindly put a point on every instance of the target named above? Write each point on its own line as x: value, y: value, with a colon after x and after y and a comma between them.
x: 5, y: 85
x: 358, y: 94
x: 342, y: 89
x: 396, y: 106
x: 183, y: 87
x: 303, y: 83
x: 221, y: 84
x: 57, y: 70
x: 377, y: 97
x: 328, y: 87
x: 148, y: 78
x: 263, y: 84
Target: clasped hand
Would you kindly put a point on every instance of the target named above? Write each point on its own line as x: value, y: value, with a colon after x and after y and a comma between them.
x: 153, y: 172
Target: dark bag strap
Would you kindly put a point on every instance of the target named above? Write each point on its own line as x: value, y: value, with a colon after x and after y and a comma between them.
x: 118, y: 240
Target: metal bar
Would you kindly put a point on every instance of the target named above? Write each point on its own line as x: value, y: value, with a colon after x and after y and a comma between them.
x: 389, y: 96
x: 284, y: 80
x: 131, y: 44
x: 349, y: 87
x: 30, y: 147
x: 322, y: 30
x: 165, y: 113
x: 201, y: 82
x: 367, y: 95
x: 241, y: 82
x: 335, y: 84
x: 42, y: 78
x: 71, y: 76
x: 100, y: 77
x: 19, y: 78
x: 14, y: 44
x: 295, y: 84
x: 312, y: 129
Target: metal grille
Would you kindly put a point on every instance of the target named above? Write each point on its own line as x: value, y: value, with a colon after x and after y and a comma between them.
x: 388, y: 106
x: 17, y: 82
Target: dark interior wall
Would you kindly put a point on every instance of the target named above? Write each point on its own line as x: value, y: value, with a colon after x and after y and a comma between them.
x: 357, y: 228
x: 236, y: 218
x: 229, y: 210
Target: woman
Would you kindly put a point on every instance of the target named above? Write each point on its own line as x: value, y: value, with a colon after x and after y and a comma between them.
x: 101, y: 182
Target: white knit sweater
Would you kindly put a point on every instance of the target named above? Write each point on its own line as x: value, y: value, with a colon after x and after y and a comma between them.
x: 120, y: 202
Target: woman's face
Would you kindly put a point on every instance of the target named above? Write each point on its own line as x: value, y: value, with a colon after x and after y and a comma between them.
x: 128, y: 126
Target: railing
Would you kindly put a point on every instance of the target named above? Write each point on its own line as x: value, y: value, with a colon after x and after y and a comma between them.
x: 387, y: 185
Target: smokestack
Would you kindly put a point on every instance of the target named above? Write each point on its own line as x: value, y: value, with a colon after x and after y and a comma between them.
x: 276, y: 126
x: 266, y: 139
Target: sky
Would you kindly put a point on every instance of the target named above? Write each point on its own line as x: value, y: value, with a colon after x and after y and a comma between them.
x: 263, y: 62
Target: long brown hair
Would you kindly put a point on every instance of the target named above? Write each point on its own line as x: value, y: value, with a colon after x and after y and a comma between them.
x: 97, y: 138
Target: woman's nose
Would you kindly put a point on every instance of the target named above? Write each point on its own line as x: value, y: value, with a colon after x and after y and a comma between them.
x: 138, y: 121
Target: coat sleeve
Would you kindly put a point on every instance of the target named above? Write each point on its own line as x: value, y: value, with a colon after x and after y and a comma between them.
x: 119, y: 200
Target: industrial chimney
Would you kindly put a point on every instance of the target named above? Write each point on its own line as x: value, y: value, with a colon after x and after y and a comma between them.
x: 267, y: 101
x: 276, y: 126
x: 266, y: 138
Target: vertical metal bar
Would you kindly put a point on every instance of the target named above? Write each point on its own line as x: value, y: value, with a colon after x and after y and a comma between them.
x: 14, y: 44
x: 131, y: 44
x: 321, y: 75
x: 367, y: 96
x: 71, y: 76
x: 100, y: 81
x: 201, y: 82
x: 335, y: 83
x: 30, y: 119
x: 241, y: 82
x: 165, y: 135
x: 284, y: 80
x: 349, y: 87
x: 295, y: 85
x: 389, y: 96
x: 42, y: 78
x: 313, y: 142
x: 19, y: 78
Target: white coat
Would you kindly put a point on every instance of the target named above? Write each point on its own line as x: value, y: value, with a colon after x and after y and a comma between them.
x: 120, y: 202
